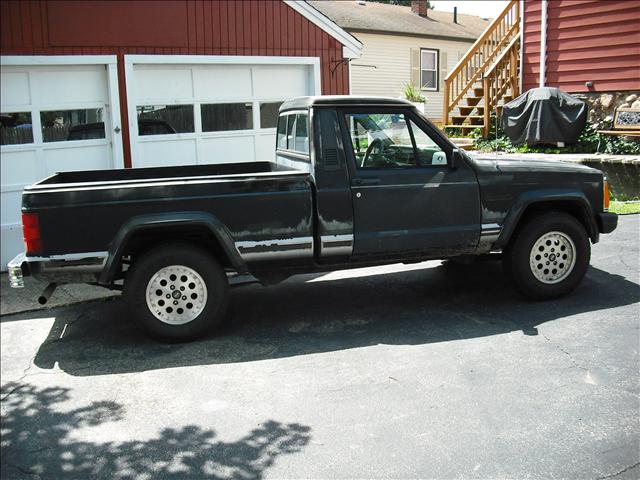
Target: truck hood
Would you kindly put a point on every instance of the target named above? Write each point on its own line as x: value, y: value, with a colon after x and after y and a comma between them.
x: 505, y: 164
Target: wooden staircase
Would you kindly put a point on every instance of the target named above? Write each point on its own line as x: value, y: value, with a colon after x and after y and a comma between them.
x: 487, y: 77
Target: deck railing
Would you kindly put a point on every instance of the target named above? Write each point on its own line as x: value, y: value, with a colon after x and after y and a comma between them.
x: 471, y: 68
x: 500, y: 78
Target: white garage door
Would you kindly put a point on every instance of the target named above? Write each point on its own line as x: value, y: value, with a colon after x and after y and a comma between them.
x: 54, y: 118
x: 210, y: 109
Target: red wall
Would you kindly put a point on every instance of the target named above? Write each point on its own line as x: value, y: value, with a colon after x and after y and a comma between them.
x: 186, y: 27
x: 587, y: 40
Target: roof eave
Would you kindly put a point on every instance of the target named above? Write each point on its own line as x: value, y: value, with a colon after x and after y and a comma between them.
x: 412, y: 34
x: 352, y: 47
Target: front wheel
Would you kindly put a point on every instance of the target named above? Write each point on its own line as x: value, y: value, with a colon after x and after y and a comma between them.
x: 176, y: 292
x: 549, y: 256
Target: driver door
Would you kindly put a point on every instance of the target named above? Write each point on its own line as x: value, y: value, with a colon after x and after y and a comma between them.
x: 406, y: 195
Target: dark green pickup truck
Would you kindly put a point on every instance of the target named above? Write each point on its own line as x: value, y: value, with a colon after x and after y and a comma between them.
x: 355, y: 182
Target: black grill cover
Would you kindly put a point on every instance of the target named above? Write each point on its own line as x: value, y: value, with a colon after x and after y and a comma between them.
x: 544, y: 116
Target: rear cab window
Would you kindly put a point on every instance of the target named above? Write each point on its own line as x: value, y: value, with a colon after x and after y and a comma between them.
x: 293, y: 134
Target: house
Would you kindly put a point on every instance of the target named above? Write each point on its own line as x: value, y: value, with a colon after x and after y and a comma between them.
x: 588, y: 48
x: 99, y: 85
x: 591, y: 49
x: 404, y: 45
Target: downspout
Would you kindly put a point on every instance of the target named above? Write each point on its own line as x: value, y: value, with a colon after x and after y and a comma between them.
x: 543, y: 43
x: 521, y: 79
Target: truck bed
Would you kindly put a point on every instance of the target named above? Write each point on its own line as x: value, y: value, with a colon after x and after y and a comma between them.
x: 161, y: 173
x: 256, y: 202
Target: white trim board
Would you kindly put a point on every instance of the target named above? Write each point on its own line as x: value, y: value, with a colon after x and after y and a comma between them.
x: 314, y: 62
x: 352, y: 47
x: 35, y: 60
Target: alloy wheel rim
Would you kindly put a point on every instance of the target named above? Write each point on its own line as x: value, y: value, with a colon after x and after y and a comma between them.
x: 176, y: 294
x: 552, y: 257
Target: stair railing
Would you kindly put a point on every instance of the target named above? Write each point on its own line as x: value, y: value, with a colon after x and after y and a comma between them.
x: 499, y: 78
x: 470, y: 69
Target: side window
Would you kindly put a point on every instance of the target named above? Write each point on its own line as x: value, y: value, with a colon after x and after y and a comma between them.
x: 291, y: 128
x: 386, y: 140
x: 282, y: 132
x: 293, y: 133
x: 381, y: 140
x: 429, y: 69
x: 301, y: 142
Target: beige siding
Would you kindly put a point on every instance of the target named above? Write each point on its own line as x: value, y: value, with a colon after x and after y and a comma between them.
x: 385, y: 66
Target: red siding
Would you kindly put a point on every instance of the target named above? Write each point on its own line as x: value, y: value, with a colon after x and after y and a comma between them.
x: 587, y: 40
x: 168, y: 27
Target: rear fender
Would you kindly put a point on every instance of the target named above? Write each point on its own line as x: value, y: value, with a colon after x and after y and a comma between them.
x: 158, y: 222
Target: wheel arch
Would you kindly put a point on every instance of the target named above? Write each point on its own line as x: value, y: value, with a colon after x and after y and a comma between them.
x: 140, y: 232
x: 532, y: 204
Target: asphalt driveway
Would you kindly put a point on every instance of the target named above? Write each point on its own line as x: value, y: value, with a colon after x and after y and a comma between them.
x: 402, y: 371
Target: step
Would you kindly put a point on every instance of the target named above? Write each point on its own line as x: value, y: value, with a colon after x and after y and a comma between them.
x: 466, y: 125
x: 464, y: 117
x: 478, y: 91
x: 473, y: 101
x: 467, y: 110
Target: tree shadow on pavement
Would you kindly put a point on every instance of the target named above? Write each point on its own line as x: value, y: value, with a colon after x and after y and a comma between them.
x: 37, y: 440
x: 313, y: 314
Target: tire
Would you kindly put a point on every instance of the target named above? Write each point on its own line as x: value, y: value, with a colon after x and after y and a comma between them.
x: 151, y: 292
x: 560, y: 240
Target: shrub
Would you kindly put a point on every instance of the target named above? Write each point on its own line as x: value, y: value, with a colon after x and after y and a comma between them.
x: 590, y: 141
x: 413, y: 94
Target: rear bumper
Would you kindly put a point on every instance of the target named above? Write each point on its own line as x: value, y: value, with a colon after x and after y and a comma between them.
x: 607, y: 222
x: 18, y: 268
x: 62, y: 269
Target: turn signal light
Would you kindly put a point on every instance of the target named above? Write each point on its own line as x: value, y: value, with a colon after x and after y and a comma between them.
x: 31, y: 232
x: 605, y: 204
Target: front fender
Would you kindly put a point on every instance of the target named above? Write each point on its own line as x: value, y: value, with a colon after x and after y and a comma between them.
x: 548, y: 196
x: 167, y: 220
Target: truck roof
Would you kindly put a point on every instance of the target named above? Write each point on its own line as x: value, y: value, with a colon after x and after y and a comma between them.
x: 341, y: 101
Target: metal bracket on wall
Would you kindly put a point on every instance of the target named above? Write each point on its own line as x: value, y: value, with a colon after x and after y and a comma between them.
x: 336, y: 63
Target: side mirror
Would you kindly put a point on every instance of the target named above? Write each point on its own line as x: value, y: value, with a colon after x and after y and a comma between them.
x: 456, y: 158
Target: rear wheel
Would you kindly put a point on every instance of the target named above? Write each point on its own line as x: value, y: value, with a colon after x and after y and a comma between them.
x: 549, y: 256
x: 177, y: 292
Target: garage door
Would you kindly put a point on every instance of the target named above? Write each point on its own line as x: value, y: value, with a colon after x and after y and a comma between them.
x: 54, y: 118
x: 219, y: 111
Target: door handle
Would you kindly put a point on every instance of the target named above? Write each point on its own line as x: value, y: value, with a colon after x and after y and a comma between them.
x: 362, y: 182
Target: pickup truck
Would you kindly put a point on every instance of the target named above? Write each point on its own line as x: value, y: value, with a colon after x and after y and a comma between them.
x: 355, y: 182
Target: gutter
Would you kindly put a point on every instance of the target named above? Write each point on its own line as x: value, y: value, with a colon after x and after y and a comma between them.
x: 543, y: 43
x: 521, y: 80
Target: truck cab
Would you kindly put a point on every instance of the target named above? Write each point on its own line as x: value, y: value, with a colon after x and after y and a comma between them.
x: 388, y: 183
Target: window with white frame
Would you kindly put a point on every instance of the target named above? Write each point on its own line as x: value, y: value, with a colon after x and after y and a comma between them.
x: 429, y: 69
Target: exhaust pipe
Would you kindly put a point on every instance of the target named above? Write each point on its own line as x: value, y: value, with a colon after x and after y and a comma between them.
x: 46, y: 293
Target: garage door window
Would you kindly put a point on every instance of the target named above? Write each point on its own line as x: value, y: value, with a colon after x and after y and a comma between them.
x: 227, y: 116
x: 269, y: 114
x: 165, y: 119
x: 69, y: 125
x: 15, y: 128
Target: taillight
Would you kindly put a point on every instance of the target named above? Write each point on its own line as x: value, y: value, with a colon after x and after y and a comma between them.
x: 31, y: 232
x: 605, y: 194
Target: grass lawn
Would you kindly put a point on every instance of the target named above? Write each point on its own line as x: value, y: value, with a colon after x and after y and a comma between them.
x: 624, y: 207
